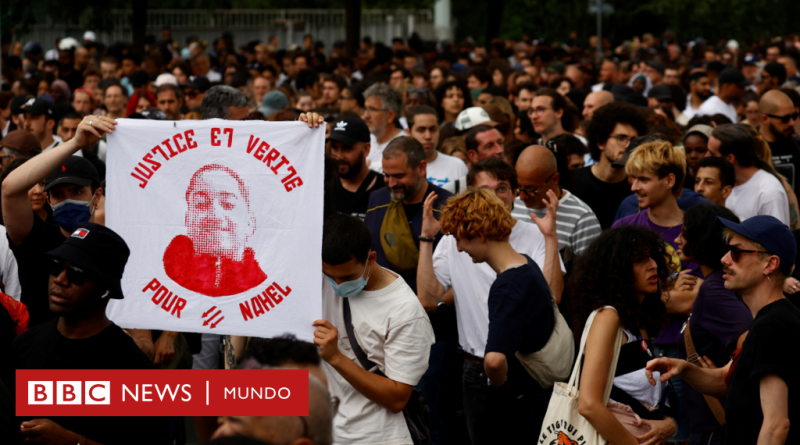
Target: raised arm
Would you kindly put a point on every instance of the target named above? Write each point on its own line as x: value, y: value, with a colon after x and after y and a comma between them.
x: 552, y: 262
x: 709, y: 381
x: 429, y: 289
x: 17, y: 213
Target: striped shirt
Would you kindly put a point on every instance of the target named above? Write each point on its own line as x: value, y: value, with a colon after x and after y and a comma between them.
x: 576, y: 224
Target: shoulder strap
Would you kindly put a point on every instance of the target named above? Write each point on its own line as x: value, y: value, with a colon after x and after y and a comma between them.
x: 691, y: 356
x: 458, y: 186
x: 351, y: 335
x: 575, y: 378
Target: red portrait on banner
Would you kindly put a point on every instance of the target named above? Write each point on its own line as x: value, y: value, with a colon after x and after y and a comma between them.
x: 213, y: 258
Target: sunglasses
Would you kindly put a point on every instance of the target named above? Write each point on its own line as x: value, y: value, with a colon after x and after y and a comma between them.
x: 530, y: 192
x: 736, y: 252
x: 785, y: 119
x: 75, y: 275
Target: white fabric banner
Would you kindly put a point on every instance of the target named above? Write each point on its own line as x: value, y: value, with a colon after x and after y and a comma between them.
x: 224, y: 223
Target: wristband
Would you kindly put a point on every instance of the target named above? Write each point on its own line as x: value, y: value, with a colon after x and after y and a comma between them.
x: 427, y: 239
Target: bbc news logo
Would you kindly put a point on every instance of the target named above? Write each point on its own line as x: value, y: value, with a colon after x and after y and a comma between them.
x: 73, y: 392
x: 251, y: 392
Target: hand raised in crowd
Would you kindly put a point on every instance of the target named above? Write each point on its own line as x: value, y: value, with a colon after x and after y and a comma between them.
x: 430, y: 225
x: 791, y: 285
x: 660, y: 431
x: 47, y: 432
x: 327, y: 338
x: 313, y: 119
x: 686, y: 282
x: 668, y: 367
x: 92, y: 128
x: 547, y: 225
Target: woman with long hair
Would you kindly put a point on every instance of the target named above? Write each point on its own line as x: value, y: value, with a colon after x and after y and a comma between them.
x: 621, y: 277
x: 452, y: 98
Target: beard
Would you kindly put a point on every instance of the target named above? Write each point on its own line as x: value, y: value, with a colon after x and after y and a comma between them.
x: 403, y: 192
x: 781, y: 136
x: 352, y: 170
x: 705, y: 95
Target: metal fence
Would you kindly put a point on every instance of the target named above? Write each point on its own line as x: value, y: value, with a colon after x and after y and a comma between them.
x: 290, y: 25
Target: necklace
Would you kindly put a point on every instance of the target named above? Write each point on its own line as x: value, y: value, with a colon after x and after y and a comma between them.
x: 653, y: 226
x: 379, y: 281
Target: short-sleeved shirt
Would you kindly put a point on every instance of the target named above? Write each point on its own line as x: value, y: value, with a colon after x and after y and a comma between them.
x: 521, y: 319
x: 719, y: 318
x: 391, y: 327
x: 34, y: 270
x: 762, y: 194
x: 356, y: 203
x: 43, y: 347
x: 602, y: 197
x: 445, y: 169
x: 770, y: 348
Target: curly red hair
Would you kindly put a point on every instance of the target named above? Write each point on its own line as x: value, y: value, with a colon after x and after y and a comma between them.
x: 474, y: 213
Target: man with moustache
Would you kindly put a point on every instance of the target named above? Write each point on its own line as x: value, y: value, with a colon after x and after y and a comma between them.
x: 699, y: 91
x: 778, y: 116
x: 350, y: 146
x: 760, y: 381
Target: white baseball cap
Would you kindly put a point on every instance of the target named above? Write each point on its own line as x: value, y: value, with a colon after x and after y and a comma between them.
x: 89, y: 36
x: 471, y: 117
x: 68, y: 43
x: 166, y: 78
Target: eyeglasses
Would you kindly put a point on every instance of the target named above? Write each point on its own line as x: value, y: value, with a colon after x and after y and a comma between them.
x: 417, y: 90
x: 736, y: 252
x: 75, y: 275
x: 785, y: 119
x: 538, y: 110
x: 623, y: 139
x: 530, y: 192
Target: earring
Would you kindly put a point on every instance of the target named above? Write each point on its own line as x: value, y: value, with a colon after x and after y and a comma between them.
x: 768, y: 279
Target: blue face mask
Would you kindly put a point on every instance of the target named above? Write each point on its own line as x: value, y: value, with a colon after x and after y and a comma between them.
x: 71, y: 212
x: 350, y: 288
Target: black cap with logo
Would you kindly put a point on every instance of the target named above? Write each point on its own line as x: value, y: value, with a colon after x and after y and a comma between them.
x: 349, y: 130
x: 38, y: 107
x: 98, y: 250
x: 75, y: 170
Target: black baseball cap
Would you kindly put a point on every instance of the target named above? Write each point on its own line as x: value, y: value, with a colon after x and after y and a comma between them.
x: 18, y: 102
x: 349, y: 130
x: 75, y: 170
x: 200, y: 83
x: 661, y: 93
x: 39, y: 106
x: 98, y: 250
x: 732, y: 75
x: 139, y: 78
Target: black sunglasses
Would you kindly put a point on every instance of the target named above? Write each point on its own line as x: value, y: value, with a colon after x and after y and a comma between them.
x: 785, y: 119
x: 75, y: 275
x: 736, y: 252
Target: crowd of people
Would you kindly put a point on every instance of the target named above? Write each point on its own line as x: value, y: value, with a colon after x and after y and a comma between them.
x: 482, y: 203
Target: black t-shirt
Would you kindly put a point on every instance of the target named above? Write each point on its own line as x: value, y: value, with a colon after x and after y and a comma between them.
x: 356, y: 203
x: 768, y: 349
x: 786, y: 158
x: 604, y: 198
x: 43, y: 347
x: 521, y: 319
x: 34, y: 268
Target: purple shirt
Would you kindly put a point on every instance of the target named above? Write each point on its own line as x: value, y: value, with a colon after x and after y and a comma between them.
x: 671, y: 331
x: 719, y: 318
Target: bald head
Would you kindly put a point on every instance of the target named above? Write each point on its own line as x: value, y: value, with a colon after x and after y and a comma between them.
x: 594, y: 101
x: 537, y: 170
x: 774, y: 101
x: 538, y: 160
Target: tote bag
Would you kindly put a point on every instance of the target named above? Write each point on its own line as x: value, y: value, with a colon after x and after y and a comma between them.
x: 563, y: 424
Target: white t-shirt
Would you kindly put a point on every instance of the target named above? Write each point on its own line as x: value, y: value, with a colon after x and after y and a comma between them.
x: 8, y: 125
x: 714, y: 105
x: 445, y: 169
x: 8, y: 267
x: 375, y: 157
x: 394, y: 331
x: 690, y: 111
x: 763, y: 194
x: 471, y: 282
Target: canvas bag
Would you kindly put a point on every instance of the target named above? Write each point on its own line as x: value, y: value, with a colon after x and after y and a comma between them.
x: 563, y: 423
x: 397, y: 239
x: 551, y: 364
